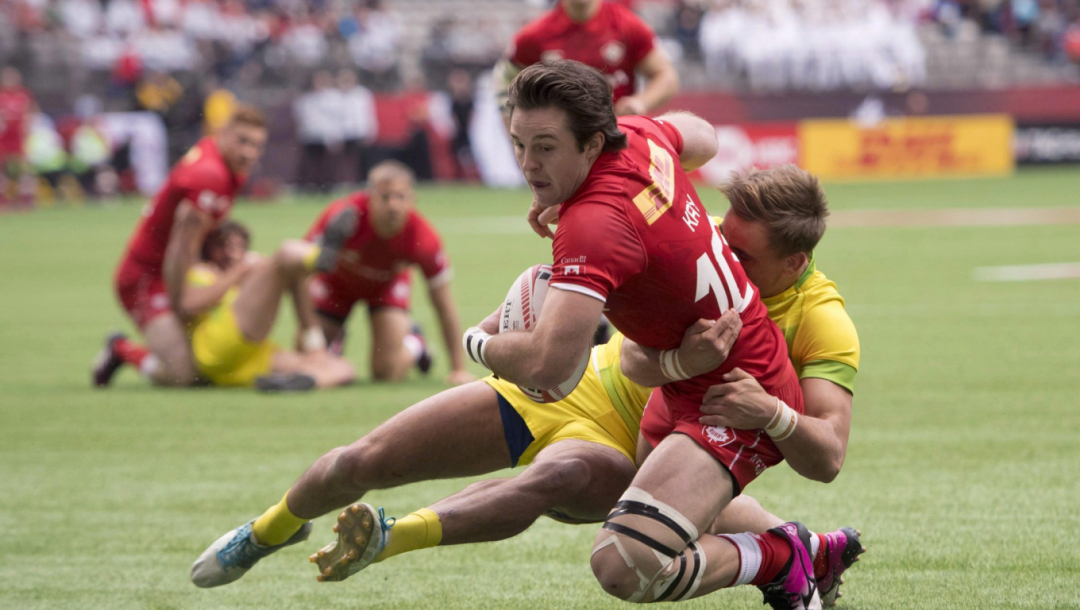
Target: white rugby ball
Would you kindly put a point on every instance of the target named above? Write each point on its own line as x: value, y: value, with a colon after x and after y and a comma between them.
x: 521, y: 310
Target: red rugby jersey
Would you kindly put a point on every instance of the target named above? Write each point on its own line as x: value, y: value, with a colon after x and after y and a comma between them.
x: 15, y: 106
x: 636, y: 236
x: 368, y: 257
x: 201, y: 177
x: 614, y: 41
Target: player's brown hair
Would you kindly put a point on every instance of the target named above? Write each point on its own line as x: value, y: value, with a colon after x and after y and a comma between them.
x: 220, y: 234
x: 390, y: 169
x: 578, y: 90
x: 788, y: 200
x: 246, y: 114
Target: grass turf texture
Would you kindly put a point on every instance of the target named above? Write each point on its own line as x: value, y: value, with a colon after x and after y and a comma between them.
x: 961, y: 469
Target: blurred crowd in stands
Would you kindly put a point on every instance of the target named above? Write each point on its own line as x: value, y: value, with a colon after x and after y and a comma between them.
x: 1048, y: 27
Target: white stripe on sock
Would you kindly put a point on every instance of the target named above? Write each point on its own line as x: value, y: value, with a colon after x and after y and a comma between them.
x: 749, y: 556
x: 815, y: 543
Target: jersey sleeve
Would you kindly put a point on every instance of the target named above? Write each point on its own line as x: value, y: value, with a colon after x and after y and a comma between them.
x: 596, y: 250
x: 524, y: 50
x: 829, y: 347
x: 639, y: 37
x: 316, y: 230
x: 664, y: 132
x: 205, y: 186
x: 430, y: 255
x: 200, y: 276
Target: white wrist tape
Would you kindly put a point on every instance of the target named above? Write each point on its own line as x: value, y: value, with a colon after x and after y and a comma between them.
x: 783, y: 424
x: 474, y: 342
x: 670, y: 365
x: 313, y: 340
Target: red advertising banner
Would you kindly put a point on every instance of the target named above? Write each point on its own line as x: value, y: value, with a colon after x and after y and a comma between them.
x: 760, y: 145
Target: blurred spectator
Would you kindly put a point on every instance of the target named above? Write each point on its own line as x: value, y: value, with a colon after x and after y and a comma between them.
x: 46, y: 156
x: 374, y: 46
x: 359, y: 126
x: 1071, y: 42
x: 16, y: 106
x: 686, y: 28
x: 217, y: 108
x: 158, y: 93
x: 461, y: 109
x: 90, y: 156
x: 318, y: 116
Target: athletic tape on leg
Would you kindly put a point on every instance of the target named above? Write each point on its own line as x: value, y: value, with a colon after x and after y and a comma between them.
x: 653, y: 584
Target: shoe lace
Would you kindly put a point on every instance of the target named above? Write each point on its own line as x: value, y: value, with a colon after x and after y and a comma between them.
x: 385, y: 522
x: 239, y: 552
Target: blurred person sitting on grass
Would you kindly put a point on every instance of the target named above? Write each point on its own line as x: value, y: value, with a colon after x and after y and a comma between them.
x: 230, y: 302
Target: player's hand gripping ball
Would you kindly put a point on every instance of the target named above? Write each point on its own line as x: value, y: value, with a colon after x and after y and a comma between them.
x: 521, y: 310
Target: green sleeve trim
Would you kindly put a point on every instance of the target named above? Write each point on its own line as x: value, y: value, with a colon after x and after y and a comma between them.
x: 839, y: 373
x: 606, y: 377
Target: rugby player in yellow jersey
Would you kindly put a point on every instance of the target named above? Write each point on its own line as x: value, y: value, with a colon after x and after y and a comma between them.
x: 230, y: 302
x: 580, y: 451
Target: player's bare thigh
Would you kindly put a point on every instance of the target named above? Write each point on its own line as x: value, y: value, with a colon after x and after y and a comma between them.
x: 683, y: 475
x: 390, y: 360
x: 456, y: 433
x: 607, y: 473
x: 166, y: 339
x: 256, y: 306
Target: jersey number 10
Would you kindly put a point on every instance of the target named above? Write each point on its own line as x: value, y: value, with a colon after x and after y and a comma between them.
x: 726, y: 290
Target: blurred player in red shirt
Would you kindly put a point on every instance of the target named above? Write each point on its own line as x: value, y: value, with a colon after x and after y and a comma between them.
x: 150, y: 278
x: 387, y: 236
x: 634, y: 242
x: 604, y: 35
x: 16, y: 106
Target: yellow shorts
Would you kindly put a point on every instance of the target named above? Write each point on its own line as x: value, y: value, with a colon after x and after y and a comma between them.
x: 588, y: 414
x: 222, y: 354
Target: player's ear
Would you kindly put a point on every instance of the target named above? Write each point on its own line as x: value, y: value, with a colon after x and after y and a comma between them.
x: 796, y: 261
x: 595, y: 144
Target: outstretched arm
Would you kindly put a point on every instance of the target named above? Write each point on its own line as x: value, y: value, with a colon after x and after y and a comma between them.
x: 451, y: 331
x: 189, y: 230
x: 661, y: 84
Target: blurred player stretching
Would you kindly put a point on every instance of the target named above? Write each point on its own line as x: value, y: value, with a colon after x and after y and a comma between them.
x: 16, y: 105
x: 386, y: 235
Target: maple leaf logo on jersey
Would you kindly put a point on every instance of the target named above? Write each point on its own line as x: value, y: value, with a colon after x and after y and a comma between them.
x: 552, y: 55
x: 613, y: 52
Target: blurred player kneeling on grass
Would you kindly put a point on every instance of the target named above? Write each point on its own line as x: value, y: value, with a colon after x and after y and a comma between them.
x: 229, y: 304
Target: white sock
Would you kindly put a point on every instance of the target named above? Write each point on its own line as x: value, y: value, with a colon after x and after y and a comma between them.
x: 414, y: 345
x: 749, y: 557
x: 150, y: 366
x: 815, y: 543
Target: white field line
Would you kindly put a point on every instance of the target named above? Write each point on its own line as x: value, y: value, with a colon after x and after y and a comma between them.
x: 992, y: 217
x: 959, y: 217
x: 1028, y: 273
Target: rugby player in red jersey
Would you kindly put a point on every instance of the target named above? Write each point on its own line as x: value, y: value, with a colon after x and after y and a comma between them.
x: 150, y: 278
x: 604, y: 35
x: 386, y: 236
x: 634, y: 242
x: 16, y: 105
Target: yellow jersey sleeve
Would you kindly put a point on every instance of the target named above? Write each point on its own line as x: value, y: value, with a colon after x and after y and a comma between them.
x: 826, y: 345
x: 627, y: 397
x: 201, y: 276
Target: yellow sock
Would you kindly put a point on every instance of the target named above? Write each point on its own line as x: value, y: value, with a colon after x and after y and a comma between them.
x: 419, y: 530
x: 277, y: 524
x: 311, y: 257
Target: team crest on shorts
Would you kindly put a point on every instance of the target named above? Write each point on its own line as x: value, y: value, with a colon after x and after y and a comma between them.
x: 718, y: 435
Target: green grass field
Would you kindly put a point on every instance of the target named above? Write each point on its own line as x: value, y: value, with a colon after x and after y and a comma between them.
x: 961, y: 472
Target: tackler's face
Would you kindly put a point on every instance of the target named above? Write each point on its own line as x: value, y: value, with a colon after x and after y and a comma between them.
x: 548, y: 154
x: 749, y: 240
x: 242, y: 146
x: 392, y: 199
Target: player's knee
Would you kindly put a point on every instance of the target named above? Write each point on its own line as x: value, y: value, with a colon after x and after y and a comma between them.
x: 614, y: 574
x: 290, y: 255
x: 558, y: 477
x: 366, y: 464
x: 383, y: 369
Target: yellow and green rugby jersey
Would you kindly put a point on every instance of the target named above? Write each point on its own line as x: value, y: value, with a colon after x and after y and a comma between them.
x: 821, y: 341
x: 821, y: 338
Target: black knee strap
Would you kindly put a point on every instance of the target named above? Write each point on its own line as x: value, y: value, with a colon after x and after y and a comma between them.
x: 631, y: 507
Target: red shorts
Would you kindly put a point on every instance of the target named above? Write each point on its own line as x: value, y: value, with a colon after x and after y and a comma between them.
x: 335, y: 295
x: 744, y: 453
x: 142, y: 292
